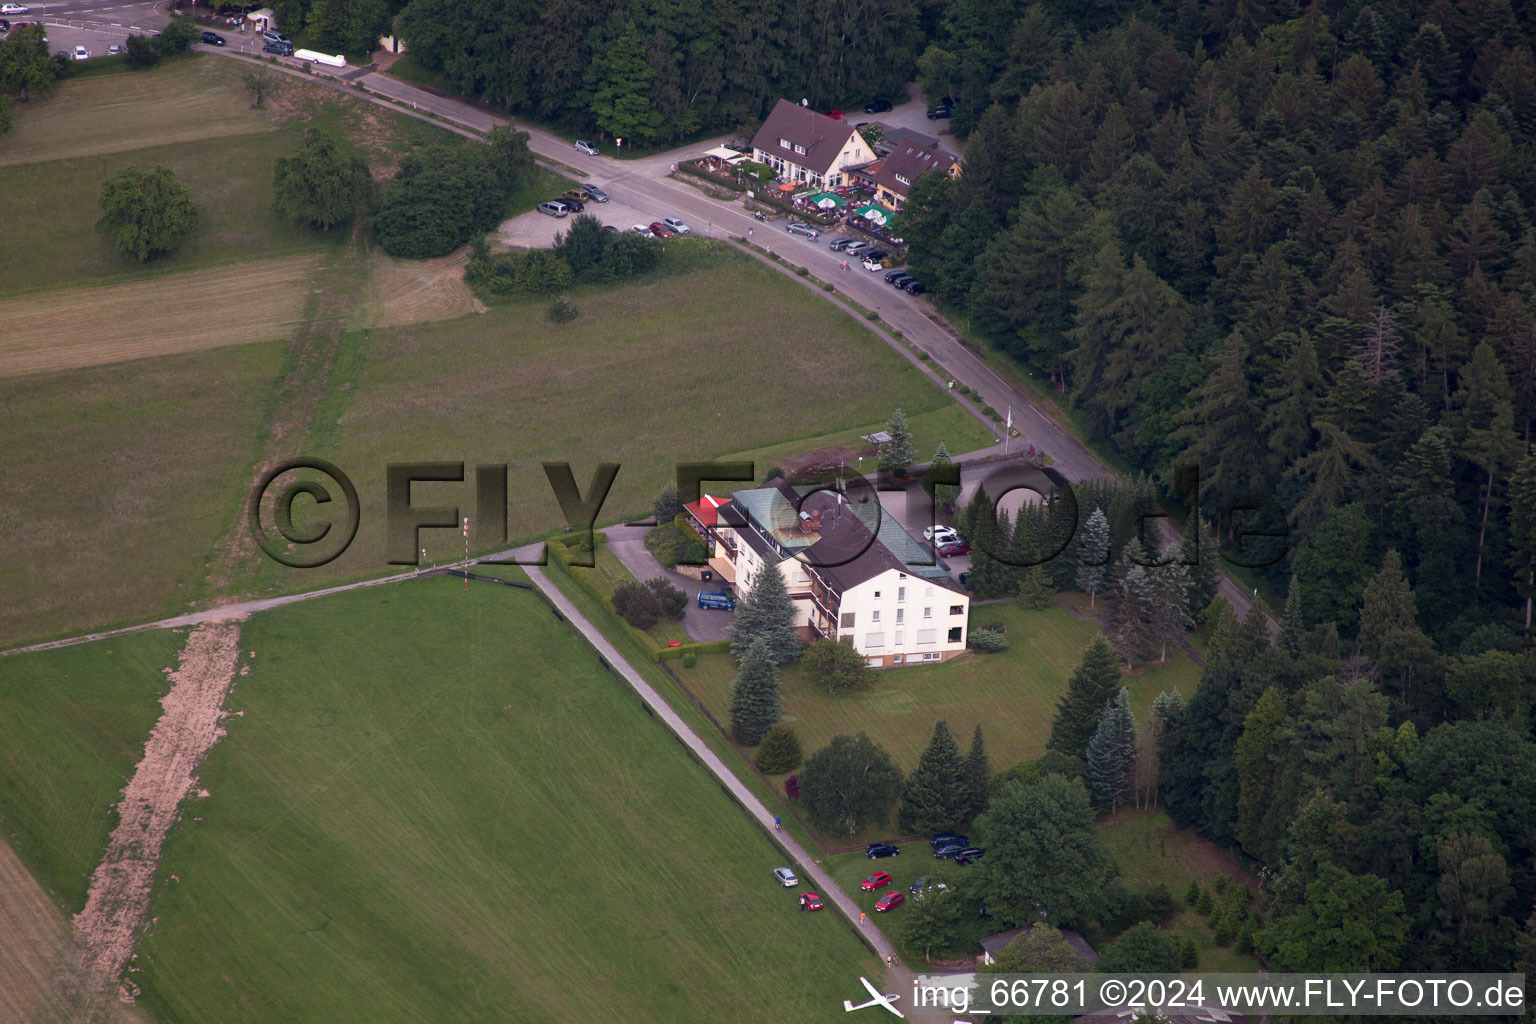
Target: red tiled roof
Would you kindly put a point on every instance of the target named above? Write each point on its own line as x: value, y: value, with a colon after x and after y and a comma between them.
x: 705, y: 510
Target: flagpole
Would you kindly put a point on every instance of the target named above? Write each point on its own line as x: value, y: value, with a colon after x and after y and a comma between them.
x: 466, y: 552
x: 1008, y: 430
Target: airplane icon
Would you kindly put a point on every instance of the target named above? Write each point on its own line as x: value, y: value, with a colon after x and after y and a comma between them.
x: 887, y: 1000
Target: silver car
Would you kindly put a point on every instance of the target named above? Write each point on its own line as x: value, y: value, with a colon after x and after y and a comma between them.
x: 785, y: 877
x: 583, y: 146
x: 803, y: 229
x: 676, y: 224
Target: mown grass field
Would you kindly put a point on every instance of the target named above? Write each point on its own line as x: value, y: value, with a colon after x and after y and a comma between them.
x: 118, y: 481
x: 437, y: 806
x: 73, y: 722
x: 653, y: 373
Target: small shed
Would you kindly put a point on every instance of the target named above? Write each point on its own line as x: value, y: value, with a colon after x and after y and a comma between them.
x: 879, y: 437
x: 265, y: 20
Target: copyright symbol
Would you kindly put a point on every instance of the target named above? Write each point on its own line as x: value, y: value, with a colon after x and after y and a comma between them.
x: 1112, y: 993
x: 282, y: 515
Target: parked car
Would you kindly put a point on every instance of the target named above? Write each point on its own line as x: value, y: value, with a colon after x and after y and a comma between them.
x: 874, y: 254
x: 716, y: 599
x: 594, y: 193
x: 810, y: 901
x: 919, y: 885
x: 15, y: 9
x: 81, y: 53
x: 878, y: 880
x: 903, y: 279
x: 583, y: 146
x: 676, y: 225
x: 939, y: 112
x: 894, y: 274
x: 968, y: 855
x: 913, y: 288
x: 874, y: 850
x: 839, y: 244
x: 890, y: 901
x: 834, y: 114
x: 855, y: 248
x: 610, y: 227
x: 275, y: 37
x: 660, y: 230
x: 785, y: 877
x: 555, y: 209
x: 642, y: 231
x: 803, y: 229
x: 948, y: 839
x: 214, y: 39
x: 5, y: 26
x: 573, y: 199
x: 955, y: 550
x: 878, y: 107
x: 947, y: 851
x: 940, y: 535
x: 281, y: 49
x: 114, y: 50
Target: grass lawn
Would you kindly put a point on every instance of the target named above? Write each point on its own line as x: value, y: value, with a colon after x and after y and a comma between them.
x: 73, y: 723
x: 1150, y: 850
x: 1013, y: 695
x: 438, y: 806
x: 66, y: 144
x: 654, y: 372
x: 118, y: 481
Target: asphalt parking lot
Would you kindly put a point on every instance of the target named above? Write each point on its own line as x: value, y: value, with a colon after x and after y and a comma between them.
x: 539, y: 229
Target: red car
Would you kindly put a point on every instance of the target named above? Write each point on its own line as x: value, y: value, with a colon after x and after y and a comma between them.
x: 954, y: 549
x: 834, y: 114
x: 875, y: 881
x: 890, y: 901
x: 810, y: 901
x: 660, y: 230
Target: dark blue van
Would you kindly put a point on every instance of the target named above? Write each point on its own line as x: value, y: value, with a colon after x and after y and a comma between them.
x: 717, y: 599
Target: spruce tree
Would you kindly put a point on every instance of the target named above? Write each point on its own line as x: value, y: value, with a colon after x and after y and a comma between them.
x: 945, y: 494
x: 1291, y: 627
x: 1169, y: 611
x: 937, y: 796
x: 755, y: 695
x: 1204, y: 571
x: 978, y: 773
x: 1130, y: 618
x: 896, y: 454
x: 780, y: 751
x: 1093, y: 554
x: 766, y: 614
x: 1111, y: 755
x: 1035, y: 589
x: 1089, y: 688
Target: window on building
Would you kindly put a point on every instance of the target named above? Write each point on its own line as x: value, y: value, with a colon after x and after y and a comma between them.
x: 897, y: 659
x: 927, y: 591
x: 901, y: 638
x: 927, y: 636
x: 901, y: 593
x: 872, y: 662
x: 955, y: 633
x: 957, y: 609
x: 847, y: 622
x: 800, y: 150
x: 877, y: 595
x: 874, y: 616
x: 784, y: 143
x: 932, y: 655
x: 874, y: 640
x: 903, y: 180
x: 927, y: 613
x: 901, y: 616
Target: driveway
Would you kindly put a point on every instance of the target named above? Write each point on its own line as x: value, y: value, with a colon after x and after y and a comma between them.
x: 628, y: 545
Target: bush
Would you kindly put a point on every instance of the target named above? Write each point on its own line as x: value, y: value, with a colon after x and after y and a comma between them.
x: 672, y: 601
x: 780, y: 751
x: 694, y: 554
x: 1119, y: 908
x: 1204, y: 903
x: 560, y: 311
x: 320, y: 185
x: 802, y: 271
x: 1160, y: 905
x: 1192, y: 894
x: 1219, y: 884
x: 670, y: 542
x: 987, y: 641
x: 637, y: 604
x: 666, y: 506
x: 441, y: 197
x: 141, y: 52
x: 177, y: 37
x: 1189, y: 953
x: 826, y: 286
x: 870, y: 314
x: 792, y: 787
x: 690, y: 659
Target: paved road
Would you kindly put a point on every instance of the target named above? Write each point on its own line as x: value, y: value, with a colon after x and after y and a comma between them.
x: 628, y: 545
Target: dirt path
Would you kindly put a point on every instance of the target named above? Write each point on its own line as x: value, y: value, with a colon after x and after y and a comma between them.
x: 118, y: 903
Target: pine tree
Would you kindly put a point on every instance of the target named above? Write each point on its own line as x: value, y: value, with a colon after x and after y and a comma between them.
x: 1170, y: 618
x: 978, y: 773
x: 1093, y: 554
x: 896, y: 454
x: 1389, y: 629
x: 1165, y: 710
x: 779, y: 752
x: 1522, y: 528
x: 1482, y: 412
x: 1089, y: 688
x: 1111, y: 754
x: 1291, y: 626
x: 944, y: 494
x: 1203, y: 555
x: 1192, y: 894
x: 766, y: 613
x: 755, y: 695
x: 1130, y: 617
x: 937, y: 797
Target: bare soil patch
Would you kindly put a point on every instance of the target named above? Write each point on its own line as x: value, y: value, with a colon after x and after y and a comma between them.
x: 824, y: 462
x: 202, y: 309
x: 108, y: 928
